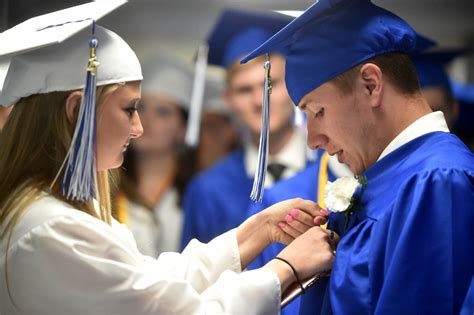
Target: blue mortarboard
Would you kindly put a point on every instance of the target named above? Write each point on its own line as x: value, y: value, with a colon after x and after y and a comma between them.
x: 236, y: 33
x: 332, y: 36
x: 430, y: 68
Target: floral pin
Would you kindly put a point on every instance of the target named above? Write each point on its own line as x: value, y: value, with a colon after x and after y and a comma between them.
x: 342, y: 194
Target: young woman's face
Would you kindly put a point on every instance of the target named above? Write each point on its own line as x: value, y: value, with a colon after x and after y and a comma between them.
x: 117, y: 123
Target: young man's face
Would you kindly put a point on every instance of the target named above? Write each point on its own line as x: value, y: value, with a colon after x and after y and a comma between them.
x: 340, y: 124
x: 245, y: 90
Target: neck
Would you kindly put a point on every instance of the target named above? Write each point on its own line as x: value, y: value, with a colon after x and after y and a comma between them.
x: 278, y: 139
x: 396, y: 120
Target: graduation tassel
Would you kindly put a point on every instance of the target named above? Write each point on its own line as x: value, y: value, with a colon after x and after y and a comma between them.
x: 194, y: 120
x: 260, y: 173
x: 79, y: 170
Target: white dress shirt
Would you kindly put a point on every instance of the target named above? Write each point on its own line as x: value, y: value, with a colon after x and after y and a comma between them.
x: 431, y: 122
x: 292, y: 156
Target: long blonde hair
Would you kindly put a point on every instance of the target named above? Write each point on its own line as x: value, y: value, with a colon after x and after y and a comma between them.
x: 34, y: 143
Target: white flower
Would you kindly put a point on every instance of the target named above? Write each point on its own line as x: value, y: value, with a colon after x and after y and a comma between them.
x: 338, y: 194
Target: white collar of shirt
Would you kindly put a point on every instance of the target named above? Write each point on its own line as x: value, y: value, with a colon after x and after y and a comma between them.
x: 431, y: 122
x: 293, y: 156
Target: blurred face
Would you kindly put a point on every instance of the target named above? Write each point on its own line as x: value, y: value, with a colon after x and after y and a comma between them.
x: 117, y: 123
x: 163, y: 125
x: 340, y: 124
x: 245, y: 90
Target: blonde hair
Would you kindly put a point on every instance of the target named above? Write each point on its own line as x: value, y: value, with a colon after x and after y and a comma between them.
x: 34, y: 143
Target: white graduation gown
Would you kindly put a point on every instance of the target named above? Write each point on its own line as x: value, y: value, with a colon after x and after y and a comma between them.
x: 64, y: 261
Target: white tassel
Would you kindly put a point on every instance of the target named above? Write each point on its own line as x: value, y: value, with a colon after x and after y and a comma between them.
x: 195, y: 110
x: 260, y: 173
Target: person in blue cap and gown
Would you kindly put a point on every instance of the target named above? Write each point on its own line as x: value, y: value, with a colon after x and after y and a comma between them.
x: 218, y: 198
x: 75, y: 87
x: 406, y: 220
x: 309, y: 184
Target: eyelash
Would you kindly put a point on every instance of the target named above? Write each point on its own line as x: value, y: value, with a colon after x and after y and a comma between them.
x: 130, y: 110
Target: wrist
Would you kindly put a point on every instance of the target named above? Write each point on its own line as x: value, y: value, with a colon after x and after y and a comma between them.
x: 283, y: 272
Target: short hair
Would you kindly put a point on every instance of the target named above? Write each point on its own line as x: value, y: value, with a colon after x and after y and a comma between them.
x: 396, y: 67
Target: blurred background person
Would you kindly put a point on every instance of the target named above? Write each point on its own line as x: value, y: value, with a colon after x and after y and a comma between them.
x: 445, y: 95
x: 156, y: 169
x: 218, y: 198
x: 218, y: 133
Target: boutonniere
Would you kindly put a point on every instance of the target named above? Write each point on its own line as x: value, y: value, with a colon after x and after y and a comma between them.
x: 342, y: 194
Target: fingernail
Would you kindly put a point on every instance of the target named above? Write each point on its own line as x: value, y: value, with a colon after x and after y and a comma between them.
x: 318, y: 220
x: 289, y: 218
x: 294, y: 213
x: 282, y: 225
x: 324, y: 212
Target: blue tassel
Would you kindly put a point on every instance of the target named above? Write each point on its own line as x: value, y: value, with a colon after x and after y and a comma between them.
x: 259, y: 180
x: 79, y: 173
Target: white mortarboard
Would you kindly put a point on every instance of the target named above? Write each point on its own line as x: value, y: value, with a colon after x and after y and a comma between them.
x: 168, y: 75
x: 50, y: 53
x: 213, y: 95
x: 57, y: 52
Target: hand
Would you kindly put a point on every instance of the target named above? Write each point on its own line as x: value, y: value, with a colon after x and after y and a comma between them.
x: 309, y: 254
x: 289, y: 219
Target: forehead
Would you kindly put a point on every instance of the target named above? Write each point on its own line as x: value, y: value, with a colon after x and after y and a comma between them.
x: 319, y: 95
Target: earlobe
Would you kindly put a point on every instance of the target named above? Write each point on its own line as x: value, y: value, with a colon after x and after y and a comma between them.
x: 73, y: 102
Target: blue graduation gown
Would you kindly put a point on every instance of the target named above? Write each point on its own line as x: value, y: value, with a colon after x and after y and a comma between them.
x: 304, y: 185
x: 409, y: 245
x: 216, y: 200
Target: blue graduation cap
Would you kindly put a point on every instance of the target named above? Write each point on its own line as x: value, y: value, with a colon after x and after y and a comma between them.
x: 236, y: 33
x: 430, y: 68
x: 333, y: 36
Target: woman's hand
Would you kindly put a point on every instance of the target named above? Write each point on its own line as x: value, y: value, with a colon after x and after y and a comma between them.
x: 289, y: 219
x: 309, y: 254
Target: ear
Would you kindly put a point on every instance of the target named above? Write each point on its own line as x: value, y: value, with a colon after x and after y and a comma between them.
x: 73, y: 102
x: 372, y: 82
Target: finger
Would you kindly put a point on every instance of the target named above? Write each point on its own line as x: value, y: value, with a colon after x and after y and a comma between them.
x: 320, y: 220
x: 297, y: 225
x: 333, y: 240
x: 307, y: 206
x: 285, y: 227
x: 302, y: 217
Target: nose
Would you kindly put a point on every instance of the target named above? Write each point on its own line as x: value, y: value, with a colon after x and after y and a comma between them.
x: 316, y: 139
x: 137, y: 128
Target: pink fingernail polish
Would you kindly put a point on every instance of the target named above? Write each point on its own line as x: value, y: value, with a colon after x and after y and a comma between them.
x: 318, y: 220
x: 282, y: 224
x: 289, y: 218
x: 294, y: 213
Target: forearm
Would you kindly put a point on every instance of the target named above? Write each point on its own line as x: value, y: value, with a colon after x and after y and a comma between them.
x: 252, y: 238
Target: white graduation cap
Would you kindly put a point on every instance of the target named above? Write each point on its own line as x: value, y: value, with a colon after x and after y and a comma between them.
x: 213, y: 96
x: 50, y: 52
x: 167, y: 74
x: 62, y: 51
